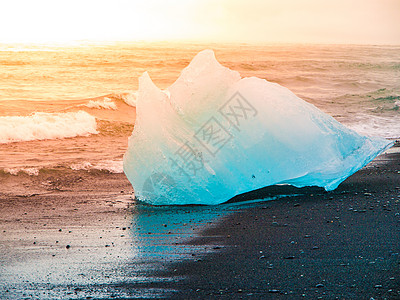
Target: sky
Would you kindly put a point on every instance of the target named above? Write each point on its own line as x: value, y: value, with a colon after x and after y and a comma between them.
x: 249, y: 21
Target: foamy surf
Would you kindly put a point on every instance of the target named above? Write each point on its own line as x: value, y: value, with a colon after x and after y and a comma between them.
x: 16, y: 171
x: 107, y: 103
x: 129, y: 97
x: 42, y: 126
x: 112, y: 166
x: 388, y: 127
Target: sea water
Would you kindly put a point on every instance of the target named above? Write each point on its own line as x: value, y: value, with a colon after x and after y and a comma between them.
x: 73, y: 107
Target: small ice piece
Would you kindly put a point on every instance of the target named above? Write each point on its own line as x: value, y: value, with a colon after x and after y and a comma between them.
x: 216, y: 135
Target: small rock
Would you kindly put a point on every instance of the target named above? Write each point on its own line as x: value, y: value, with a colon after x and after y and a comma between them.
x: 68, y: 246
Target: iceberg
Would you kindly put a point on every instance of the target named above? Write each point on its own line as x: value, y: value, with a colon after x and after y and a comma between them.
x: 213, y: 135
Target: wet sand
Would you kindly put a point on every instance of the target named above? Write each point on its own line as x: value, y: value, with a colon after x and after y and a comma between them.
x: 338, y: 245
x: 84, y: 237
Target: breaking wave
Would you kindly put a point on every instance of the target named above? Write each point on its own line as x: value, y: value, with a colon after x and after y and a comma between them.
x: 15, y: 171
x: 108, y: 166
x: 375, y: 125
x: 112, y: 166
x: 129, y: 97
x: 42, y: 126
x: 107, y: 103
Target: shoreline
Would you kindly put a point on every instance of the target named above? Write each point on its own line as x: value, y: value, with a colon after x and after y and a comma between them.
x: 331, y: 245
x: 340, y: 244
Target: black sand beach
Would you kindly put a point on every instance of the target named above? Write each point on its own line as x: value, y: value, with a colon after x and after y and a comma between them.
x: 84, y: 237
x: 339, y: 245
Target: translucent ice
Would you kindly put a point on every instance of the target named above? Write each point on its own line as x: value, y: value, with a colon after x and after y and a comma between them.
x: 214, y: 135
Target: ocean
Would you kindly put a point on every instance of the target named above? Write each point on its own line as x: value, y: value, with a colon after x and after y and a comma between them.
x: 69, y: 228
x: 72, y: 108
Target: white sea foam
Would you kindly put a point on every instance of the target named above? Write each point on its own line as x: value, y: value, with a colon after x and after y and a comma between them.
x: 376, y: 126
x: 107, y: 103
x: 29, y: 171
x: 129, y: 97
x: 113, y: 166
x: 41, y: 126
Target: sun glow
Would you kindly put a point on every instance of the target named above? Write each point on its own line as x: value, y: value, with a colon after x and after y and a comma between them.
x: 331, y: 21
x: 63, y: 21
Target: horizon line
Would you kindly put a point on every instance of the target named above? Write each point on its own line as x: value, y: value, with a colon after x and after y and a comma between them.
x: 90, y: 42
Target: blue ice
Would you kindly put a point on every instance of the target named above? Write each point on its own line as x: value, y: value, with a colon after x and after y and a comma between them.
x: 213, y: 135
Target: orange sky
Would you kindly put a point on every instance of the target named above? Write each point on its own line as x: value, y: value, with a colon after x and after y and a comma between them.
x: 293, y: 21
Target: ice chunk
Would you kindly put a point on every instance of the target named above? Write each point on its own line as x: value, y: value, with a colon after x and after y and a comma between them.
x: 216, y: 135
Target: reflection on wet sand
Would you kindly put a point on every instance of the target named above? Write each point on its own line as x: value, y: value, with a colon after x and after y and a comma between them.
x: 53, y: 246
